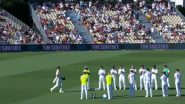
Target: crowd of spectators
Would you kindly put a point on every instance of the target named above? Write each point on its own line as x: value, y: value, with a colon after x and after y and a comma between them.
x: 112, y: 23
x: 12, y: 33
x: 107, y: 23
x: 165, y: 20
x: 57, y: 24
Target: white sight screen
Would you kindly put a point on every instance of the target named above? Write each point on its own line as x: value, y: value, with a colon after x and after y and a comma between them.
x: 179, y: 2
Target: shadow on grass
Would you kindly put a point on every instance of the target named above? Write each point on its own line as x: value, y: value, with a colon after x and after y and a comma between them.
x: 71, y: 91
x: 182, y: 95
x: 173, y: 88
x: 162, y: 95
x: 127, y: 96
x: 114, y: 97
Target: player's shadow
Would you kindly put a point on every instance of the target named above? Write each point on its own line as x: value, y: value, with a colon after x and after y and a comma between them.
x: 71, y: 91
x: 127, y: 96
x: 114, y: 97
x: 119, y: 97
x: 98, y: 97
x: 171, y: 88
x: 162, y: 95
x: 138, y: 96
x: 168, y: 88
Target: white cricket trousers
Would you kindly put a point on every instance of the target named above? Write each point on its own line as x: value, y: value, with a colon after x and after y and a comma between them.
x: 114, y: 81
x: 148, y: 88
x: 122, y: 82
x: 58, y: 83
x: 165, y: 90
x: 142, y: 82
x: 109, y: 91
x: 83, y: 89
x: 168, y: 82
x: 178, y: 88
x: 101, y: 81
x: 154, y: 82
x: 135, y: 86
x: 132, y: 89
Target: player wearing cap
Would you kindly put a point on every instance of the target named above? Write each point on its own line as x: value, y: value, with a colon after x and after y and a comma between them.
x: 101, y: 74
x: 83, y: 81
x: 177, y: 77
x: 121, y: 72
x: 154, y: 77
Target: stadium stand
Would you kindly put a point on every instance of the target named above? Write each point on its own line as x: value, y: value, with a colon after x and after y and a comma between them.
x: 105, y: 23
x: 13, y: 31
x: 113, y: 23
x: 57, y: 24
x: 165, y: 20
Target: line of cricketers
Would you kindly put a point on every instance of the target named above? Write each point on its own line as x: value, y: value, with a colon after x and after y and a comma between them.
x: 147, y: 79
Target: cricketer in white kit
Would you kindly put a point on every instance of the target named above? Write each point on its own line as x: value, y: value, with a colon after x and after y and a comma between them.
x: 114, y: 73
x: 142, y: 71
x: 101, y: 74
x: 121, y: 72
x: 58, y: 81
x: 131, y: 78
x: 164, y: 85
x: 154, y: 77
x: 148, y: 86
x: 177, y: 77
x: 135, y: 71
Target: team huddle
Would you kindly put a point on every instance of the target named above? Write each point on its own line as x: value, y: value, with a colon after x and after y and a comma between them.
x: 107, y: 81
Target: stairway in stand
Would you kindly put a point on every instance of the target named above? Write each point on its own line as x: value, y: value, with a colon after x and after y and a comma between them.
x: 81, y: 29
x: 147, y: 24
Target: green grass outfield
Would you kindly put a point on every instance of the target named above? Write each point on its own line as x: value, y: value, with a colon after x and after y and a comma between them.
x: 25, y: 78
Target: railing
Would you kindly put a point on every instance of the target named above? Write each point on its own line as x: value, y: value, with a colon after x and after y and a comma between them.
x: 177, y: 11
x: 180, y: 14
x: 38, y: 24
x: 16, y: 22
